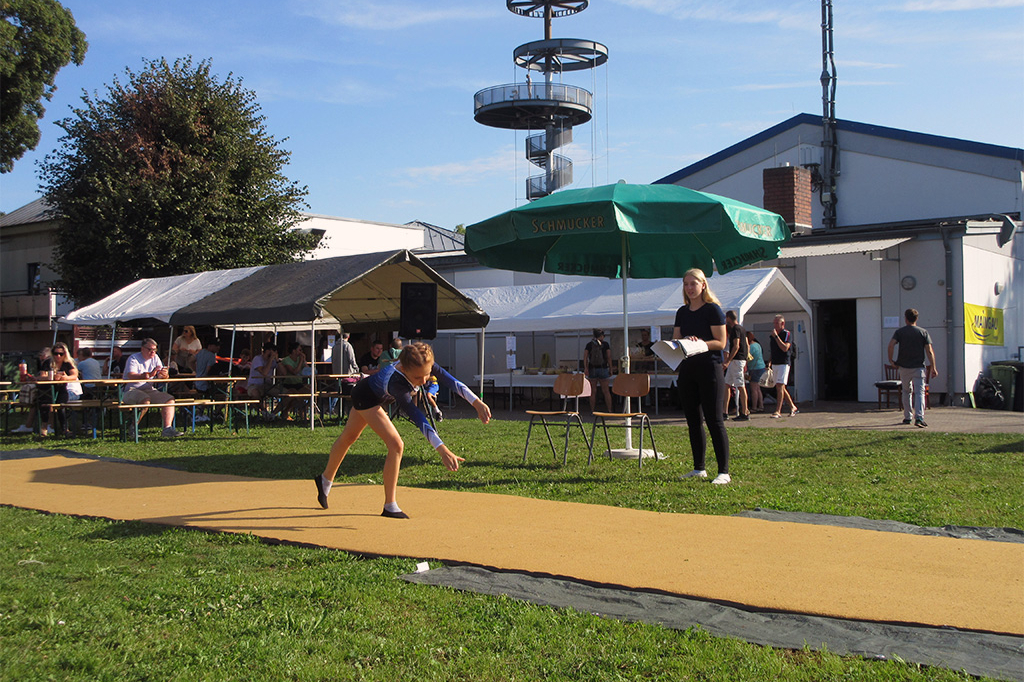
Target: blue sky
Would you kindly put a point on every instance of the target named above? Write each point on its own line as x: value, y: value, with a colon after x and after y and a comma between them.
x: 376, y: 97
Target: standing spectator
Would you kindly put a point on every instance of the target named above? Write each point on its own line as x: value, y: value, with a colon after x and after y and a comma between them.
x: 915, y: 345
x: 343, y: 356
x: 645, y: 343
x: 143, y: 367
x: 736, y: 366
x: 755, y: 368
x: 781, y: 341
x: 597, y: 367
x: 701, y: 380
x: 370, y: 362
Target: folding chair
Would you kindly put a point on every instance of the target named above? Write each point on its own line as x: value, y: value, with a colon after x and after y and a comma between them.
x: 628, y: 386
x: 892, y: 386
x: 568, y: 387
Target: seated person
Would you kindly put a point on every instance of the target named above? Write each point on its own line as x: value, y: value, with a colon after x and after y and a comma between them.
x: 27, y: 393
x: 261, y: 375
x: 115, y: 363
x: 206, y: 361
x: 145, y: 366
x: 290, y: 369
x: 89, y: 370
x: 60, y: 367
x: 185, y: 349
x: 370, y: 363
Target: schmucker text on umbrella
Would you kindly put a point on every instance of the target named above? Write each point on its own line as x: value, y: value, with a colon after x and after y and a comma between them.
x: 563, y: 224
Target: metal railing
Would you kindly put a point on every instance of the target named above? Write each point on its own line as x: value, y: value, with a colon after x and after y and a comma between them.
x: 533, y: 92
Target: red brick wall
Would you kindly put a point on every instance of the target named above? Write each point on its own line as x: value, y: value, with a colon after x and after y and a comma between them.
x: 787, y: 191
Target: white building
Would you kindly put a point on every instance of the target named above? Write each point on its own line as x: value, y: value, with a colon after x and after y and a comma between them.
x: 29, y: 303
x: 922, y: 221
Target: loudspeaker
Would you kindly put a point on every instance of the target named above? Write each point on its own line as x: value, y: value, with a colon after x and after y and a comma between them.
x: 419, y: 310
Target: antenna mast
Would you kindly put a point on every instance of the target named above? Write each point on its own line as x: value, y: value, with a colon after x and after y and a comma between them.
x: 829, y: 142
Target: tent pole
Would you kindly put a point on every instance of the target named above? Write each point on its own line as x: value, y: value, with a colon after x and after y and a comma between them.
x: 481, y: 354
x: 170, y: 344
x: 113, y: 341
x: 312, y: 374
x: 231, y: 350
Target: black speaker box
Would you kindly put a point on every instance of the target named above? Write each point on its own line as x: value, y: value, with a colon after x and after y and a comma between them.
x: 419, y: 310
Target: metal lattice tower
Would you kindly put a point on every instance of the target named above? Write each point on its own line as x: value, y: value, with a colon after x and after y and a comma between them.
x: 829, y: 126
x: 548, y: 106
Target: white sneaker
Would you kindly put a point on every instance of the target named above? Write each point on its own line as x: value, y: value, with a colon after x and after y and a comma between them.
x: 721, y: 479
x: 696, y: 473
x: 202, y: 419
x: 22, y: 429
x: 171, y: 432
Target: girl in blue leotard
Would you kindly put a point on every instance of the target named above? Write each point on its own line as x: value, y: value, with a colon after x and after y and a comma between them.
x: 397, y: 383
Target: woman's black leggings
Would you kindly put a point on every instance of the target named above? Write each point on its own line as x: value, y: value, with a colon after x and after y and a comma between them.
x: 702, y: 390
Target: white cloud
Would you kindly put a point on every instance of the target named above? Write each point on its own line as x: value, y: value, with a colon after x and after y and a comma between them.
x: 841, y: 63
x: 957, y: 5
x: 789, y: 15
x: 386, y: 15
x: 502, y: 162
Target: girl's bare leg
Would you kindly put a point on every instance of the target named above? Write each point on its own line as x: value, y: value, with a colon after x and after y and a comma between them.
x: 382, y: 425
x: 349, y: 435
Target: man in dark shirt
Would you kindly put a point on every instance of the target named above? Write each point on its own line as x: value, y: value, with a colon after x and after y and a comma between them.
x: 735, y: 363
x: 370, y: 362
x: 915, y: 344
x: 780, y: 341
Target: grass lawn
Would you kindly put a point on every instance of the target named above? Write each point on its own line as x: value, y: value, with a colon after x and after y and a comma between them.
x: 93, y: 599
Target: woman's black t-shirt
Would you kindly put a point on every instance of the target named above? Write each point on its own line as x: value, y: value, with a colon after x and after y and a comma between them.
x: 699, y: 323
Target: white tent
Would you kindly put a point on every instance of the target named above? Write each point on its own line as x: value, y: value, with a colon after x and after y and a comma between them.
x: 757, y: 295
x: 597, y: 302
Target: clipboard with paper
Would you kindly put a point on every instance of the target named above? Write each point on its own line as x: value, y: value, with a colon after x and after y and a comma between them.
x: 675, y: 351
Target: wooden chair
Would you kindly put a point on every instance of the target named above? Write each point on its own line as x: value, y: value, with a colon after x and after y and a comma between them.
x: 891, y: 386
x: 568, y: 387
x: 628, y: 386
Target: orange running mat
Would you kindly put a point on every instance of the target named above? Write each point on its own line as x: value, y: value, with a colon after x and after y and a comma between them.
x: 778, y: 566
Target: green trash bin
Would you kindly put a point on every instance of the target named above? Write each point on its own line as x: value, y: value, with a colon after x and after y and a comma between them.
x: 1006, y: 375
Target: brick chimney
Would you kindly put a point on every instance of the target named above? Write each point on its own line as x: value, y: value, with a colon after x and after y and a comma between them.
x: 787, y: 191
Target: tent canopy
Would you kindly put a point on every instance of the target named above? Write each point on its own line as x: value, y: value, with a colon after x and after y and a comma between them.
x: 354, y: 292
x: 596, y: 302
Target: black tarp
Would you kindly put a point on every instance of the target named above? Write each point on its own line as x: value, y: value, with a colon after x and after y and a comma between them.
x: 358, y: 291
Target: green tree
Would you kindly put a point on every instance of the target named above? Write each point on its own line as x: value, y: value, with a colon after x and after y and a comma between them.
x: 172, y: 172
x: 37, y: 39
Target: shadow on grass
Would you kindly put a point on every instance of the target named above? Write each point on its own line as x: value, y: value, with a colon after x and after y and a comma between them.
x: 1014, y: 448
x: 119, y: 530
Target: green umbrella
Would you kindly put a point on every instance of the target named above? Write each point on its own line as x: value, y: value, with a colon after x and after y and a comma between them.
x: 628, y: 231
x: 646, y: 231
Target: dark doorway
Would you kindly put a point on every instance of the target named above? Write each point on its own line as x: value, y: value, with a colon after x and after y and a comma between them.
x: 837, y: 349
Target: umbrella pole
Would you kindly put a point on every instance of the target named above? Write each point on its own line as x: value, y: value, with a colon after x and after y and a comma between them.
x: 624, y: 368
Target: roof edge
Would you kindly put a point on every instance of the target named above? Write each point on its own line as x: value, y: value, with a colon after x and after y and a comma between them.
x: 952, y: 143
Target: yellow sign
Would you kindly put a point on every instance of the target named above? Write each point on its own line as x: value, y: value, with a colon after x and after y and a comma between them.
x: 983, y: 326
